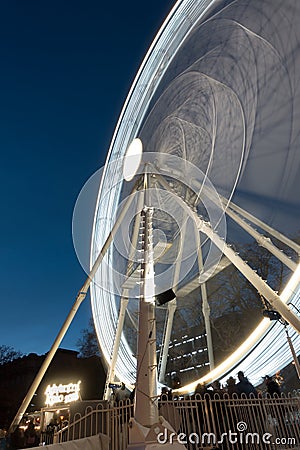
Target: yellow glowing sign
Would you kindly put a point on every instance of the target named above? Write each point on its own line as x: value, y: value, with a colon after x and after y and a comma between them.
x: 62, y: 393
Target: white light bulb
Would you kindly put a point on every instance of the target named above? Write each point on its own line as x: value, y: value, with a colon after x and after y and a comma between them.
x: 132, y: 159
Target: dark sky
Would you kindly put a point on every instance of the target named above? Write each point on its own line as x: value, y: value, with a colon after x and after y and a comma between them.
x: 66, y: 67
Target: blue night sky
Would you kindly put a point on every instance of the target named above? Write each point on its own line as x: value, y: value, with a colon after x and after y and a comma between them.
x: 66, y: 67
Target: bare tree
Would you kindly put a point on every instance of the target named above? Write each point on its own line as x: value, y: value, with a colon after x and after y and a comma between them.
x: 8, y: 354
x: 87, y: 344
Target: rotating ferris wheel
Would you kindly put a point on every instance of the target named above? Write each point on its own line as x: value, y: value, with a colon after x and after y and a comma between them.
x: 206, y: 219
x: 215, y: 104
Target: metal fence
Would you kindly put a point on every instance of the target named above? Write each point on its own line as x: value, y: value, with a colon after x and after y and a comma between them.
x: 105, y: 419
x: 235, y: 423
x: 202, y: 422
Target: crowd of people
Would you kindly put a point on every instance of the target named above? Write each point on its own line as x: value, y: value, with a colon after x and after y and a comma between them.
x: 28, y: 435
x: 272, y: 385
x: 20, y: 438
x: 223, y: 406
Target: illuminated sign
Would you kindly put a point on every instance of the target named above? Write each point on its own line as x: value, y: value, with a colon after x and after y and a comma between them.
x: 63, y: 393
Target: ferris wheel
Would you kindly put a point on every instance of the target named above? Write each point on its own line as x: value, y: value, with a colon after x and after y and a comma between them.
x: 216, y: 106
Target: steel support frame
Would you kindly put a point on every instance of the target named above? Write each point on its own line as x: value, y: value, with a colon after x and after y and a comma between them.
x: 263, y: 241
x: 205, y: 305
x: 240, y: 216
x: 110, y: 378
x: 172, y: 305
x: 276, y: 234
x: 145, y: 407
x: 262, y: 287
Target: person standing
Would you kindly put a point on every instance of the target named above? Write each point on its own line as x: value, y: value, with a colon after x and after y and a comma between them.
x: 17, y: 439
x: 244, y: 386
x: 2, y: 439
x: 272, y: 387
x: 30, y: 435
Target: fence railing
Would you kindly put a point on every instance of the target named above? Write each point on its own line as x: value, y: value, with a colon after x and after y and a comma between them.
x: 215, y: 422
x: 109, y: 420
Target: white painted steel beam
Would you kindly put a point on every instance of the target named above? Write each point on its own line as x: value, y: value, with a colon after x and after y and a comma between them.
x: 146, y: 409
x: 172, y: 305
x: 263, y: 241
x: 205, y: 305
x: 276, y: 234
x: 171, y: 310
x: 110, y: 378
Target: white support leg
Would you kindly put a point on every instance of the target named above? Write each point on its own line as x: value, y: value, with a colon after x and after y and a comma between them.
x: 112, y: 368
x: 110, y: 378
x: 147, y: 428
x: 146, y: 409
x: 294, y: 354
x: 262, y: 240
x: 276, y: 234
x: 172, y: 305
x: 205, y: 305
x: 238, y: 215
